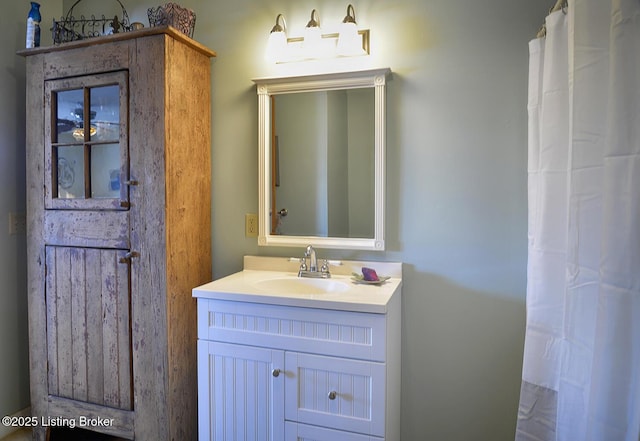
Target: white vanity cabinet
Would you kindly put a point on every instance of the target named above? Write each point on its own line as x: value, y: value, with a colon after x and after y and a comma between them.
x: 292, y: 368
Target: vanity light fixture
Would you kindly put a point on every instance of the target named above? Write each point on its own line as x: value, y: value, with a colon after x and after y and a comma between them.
x: 312, y: 43
x: 277, y: 44
x: 348, y: 42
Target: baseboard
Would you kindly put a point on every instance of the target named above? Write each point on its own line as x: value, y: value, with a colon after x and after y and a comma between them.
x: 6, y: 431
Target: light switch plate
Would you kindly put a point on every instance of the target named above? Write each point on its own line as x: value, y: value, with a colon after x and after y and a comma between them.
x: 17, y: 224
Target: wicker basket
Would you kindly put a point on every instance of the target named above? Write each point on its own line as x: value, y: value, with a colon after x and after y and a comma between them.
x: 174, y: 15
x: 70, y: 28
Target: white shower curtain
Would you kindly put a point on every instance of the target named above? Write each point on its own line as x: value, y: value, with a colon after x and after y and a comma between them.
x: 581, y: 372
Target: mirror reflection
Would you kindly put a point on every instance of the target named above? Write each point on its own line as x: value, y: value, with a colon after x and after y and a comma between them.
x: 321, y: 142
x: 323, y: 153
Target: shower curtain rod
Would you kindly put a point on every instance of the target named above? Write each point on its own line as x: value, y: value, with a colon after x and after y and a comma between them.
x: 560, y: 5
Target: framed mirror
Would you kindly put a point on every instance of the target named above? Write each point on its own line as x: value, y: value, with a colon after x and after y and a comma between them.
x: 321, y: 142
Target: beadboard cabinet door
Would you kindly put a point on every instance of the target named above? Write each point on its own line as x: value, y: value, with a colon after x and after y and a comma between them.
x: 245, y: 396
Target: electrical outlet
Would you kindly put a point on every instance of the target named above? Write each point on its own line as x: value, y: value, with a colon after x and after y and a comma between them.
x: 17, y: 224
x: 251, y: 225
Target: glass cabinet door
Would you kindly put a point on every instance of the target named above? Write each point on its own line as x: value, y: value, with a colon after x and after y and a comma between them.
x: 87, y: 154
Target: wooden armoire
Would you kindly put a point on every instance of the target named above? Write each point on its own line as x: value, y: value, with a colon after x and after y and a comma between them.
x: 119, y: 231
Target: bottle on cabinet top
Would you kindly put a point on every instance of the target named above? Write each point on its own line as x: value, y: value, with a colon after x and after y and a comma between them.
x: 33, y: 26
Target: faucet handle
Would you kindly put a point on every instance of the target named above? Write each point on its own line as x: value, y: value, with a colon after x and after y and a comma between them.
x: 303, y: 264
x: 325, y: 267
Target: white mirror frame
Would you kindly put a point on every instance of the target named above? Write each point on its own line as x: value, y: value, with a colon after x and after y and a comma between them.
x: 374, y: 78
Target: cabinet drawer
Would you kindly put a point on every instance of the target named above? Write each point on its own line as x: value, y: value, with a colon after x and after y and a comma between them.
x: 339, y: 333
x: 338, y: 393
x: 303, y: 432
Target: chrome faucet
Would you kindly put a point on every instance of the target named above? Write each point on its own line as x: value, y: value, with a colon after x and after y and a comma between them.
x: 311, y: 270
x: 313, y: 260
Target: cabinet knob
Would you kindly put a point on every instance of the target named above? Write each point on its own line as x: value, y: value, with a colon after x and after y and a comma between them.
x: 127, y: 257
x: 275, y: 373
x: 332, y: 395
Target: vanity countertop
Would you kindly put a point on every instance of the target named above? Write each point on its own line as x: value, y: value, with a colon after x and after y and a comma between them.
x: 273, y: 280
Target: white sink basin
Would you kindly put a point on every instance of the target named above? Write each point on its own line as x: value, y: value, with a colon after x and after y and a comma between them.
x: 298, y: 285
x: 275, y: 281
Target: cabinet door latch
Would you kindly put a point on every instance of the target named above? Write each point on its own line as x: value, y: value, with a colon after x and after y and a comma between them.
x: 127, y: 257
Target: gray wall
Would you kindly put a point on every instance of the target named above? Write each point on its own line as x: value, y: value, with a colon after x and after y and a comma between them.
x: 14, y: 367
x: 14, y: 390
x: 456, y: 212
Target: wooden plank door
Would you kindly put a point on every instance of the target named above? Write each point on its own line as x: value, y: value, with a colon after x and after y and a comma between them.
x: 88, y: 325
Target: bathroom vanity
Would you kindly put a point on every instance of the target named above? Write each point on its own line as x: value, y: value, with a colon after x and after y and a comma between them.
x: 287, y: 358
